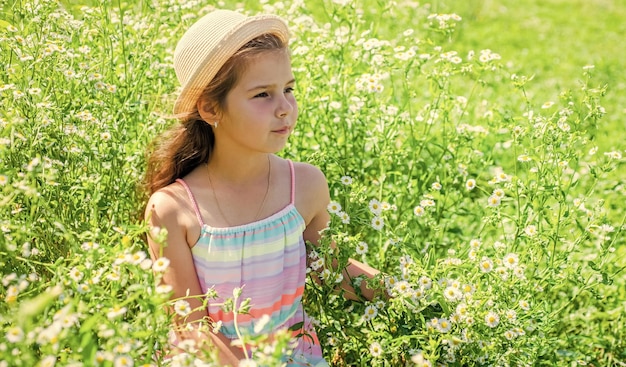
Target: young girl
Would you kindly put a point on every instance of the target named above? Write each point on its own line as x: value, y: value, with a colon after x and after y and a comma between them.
x: 237, y: 215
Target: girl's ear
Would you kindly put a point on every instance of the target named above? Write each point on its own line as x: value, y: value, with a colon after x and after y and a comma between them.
x: 207, y: 111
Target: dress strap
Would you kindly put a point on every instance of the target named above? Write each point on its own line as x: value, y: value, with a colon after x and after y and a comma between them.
x: 192, y: 199
x: 293, y: 182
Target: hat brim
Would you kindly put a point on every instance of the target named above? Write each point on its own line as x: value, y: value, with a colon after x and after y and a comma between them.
x: 241, y: 34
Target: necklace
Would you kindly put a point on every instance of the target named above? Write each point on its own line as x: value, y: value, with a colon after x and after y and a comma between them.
x: 267, y: 189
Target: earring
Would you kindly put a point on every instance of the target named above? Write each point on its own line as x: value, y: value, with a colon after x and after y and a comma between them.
x: 215, y: 124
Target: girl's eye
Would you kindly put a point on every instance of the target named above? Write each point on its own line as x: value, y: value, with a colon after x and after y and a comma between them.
x: 289, y: 90
x: 261, y: 95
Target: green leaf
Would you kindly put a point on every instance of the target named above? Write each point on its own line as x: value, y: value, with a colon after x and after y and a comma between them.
x: 88, y: 345
x: 4, y: 24
x: 36, y: 305
x: 297, y: 326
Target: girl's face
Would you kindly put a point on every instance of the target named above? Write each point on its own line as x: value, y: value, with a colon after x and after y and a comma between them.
x: 260, y: 111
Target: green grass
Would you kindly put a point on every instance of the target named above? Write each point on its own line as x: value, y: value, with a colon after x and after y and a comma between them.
x: 553, y: 40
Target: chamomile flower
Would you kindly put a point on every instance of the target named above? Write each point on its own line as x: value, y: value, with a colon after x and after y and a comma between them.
x: 138, y: 257
x: 317, y: 264
x: 375, y: 207
x: 182, y: 308
x: 346, y: 180
x: 334, y: 207
x: 419, y: 211
x: 468, y: 289
x: 345, y: 218
x: 530, y: 230
x: 614, y: 155
x: 331, y: 340
x: 462, y: 310
x: 436, y: 186
x: 391, y: 281
x: 378, y: 223
x: 494, y: 201
x: 402, y: 288
x: 160, y: 265
x: 361, y: 248
x: 472, y: 255
x: 502, y: 272
x: 123, y: 361
x: 371, y: 311
x: 443, y: 325
x: 425, y: 282
x: 486, y: 265
x: 76, y: 274
x: 375, y: 349
x: 336, y: 277
x: 69, y: 73
x: 524, y: 305
x: 492, y: 319
x: 121, y: 348
x: 510, y: 335
x: 519, y: 272
x: 48, y: 361
x: 145, y: 264
x: 470, y: 184
x: 83, y: 288
x: 503, y: 177
x: 14, y: 335
x: 420, y: 361
x: 511, y: 315
x: 510, y: 260
x: 88, y: 246
x: 116, y: 311
x: 326, y: 274
x: 452, y: 294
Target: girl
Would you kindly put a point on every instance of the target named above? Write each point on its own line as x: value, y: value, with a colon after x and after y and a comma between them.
x: 237, y: 215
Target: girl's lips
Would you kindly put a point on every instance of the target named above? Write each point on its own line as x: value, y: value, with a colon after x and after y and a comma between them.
x: 284, y: 130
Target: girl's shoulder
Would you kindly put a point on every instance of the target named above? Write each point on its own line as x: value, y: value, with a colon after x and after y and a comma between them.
x: 309, y: 177
x: 167, y: 202
x: 308, y: 171
x: 311, y: 190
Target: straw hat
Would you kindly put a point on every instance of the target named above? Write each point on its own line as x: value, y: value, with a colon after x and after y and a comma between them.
x: 209, y: 43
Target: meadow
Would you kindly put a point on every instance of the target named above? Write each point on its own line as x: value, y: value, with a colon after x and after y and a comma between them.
x: 474, y: 153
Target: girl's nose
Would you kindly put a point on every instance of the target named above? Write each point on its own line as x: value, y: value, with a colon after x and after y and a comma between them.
x: 284, y: 108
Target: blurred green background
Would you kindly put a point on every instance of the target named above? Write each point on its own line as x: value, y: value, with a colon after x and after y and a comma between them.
x: 553, y: 40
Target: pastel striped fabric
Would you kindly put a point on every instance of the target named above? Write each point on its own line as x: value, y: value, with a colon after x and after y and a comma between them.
x: 267, y: 259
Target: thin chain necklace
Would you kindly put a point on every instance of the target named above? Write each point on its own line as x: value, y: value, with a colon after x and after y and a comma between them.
x: 267, y: 189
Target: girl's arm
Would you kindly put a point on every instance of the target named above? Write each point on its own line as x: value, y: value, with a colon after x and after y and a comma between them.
x: 319, y: 198
x: 164, y: 211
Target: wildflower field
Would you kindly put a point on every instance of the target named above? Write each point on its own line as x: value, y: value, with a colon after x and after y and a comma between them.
x: 474, y: 152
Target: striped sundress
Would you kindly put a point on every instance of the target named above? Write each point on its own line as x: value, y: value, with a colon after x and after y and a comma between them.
x: 267, y: 259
